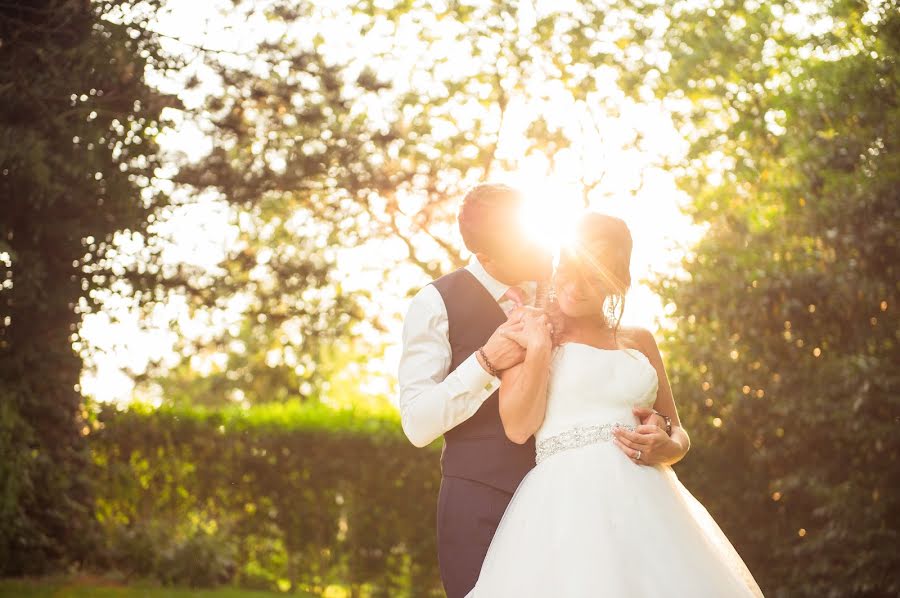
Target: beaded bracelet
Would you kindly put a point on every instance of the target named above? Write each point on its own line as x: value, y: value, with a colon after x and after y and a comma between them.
x: 491, y: 367
x: 668, y: 421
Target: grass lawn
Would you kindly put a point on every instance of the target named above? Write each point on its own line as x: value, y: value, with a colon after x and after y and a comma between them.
x: 98, y: 588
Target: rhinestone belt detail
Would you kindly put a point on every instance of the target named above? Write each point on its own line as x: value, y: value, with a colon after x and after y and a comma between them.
x: 576, y: 437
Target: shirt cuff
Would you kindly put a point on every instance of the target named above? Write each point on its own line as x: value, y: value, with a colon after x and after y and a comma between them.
x: 475, y: 377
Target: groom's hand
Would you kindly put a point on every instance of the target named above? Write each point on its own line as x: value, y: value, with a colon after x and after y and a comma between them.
x: 647, y: 416
x: 501, y: 351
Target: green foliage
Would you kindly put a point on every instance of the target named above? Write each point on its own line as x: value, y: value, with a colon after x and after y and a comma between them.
x: 275, y: 493
x: 81, y: 587
x: 77, y: 153
x: 783, y: 359
x: 373, y: 149
x: 322, y: 149
x: 785, y: 350
x: 281, y: 268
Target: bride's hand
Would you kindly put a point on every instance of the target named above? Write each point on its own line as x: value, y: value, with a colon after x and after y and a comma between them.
x: 652, y: 441
x: 533, y: 331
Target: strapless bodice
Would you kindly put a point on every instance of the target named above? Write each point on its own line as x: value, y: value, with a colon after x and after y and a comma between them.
x: 590, y: 386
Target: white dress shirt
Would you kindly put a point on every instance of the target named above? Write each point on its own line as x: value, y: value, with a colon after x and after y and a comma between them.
x: 432, y: 399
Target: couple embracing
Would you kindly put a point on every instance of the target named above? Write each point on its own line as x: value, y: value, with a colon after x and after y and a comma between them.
x: 559, y: 424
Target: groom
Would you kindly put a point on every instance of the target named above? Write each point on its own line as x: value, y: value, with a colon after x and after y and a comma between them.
x: 453, y: 351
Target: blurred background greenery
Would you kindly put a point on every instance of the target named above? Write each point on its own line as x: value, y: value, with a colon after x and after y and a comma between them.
x: 213, y: 213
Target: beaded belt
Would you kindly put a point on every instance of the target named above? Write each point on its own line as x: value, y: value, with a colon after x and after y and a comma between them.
x: 576, y: 437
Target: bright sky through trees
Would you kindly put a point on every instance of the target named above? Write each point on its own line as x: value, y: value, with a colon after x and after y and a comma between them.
x: 599, y: 166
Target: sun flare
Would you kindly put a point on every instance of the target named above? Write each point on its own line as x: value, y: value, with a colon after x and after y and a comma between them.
x: 549, y: 215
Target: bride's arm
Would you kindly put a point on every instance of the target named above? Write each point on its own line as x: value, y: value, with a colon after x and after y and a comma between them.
x: 523, y: 387
x: 679, y: 442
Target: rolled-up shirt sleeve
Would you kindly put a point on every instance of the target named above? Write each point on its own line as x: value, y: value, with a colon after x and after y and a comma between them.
x: 433, y: 400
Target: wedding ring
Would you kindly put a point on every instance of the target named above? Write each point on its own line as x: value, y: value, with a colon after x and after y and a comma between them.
x: 638, y: 456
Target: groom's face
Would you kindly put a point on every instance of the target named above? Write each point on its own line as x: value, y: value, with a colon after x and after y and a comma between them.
x: 514, y: 255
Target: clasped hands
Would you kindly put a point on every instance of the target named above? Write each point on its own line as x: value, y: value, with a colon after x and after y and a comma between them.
x: 530, y: 327
x: 525, y: 327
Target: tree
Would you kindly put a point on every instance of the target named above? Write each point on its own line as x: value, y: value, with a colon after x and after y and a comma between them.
x: 320, y: 153
x: 77, y: 160
x: 784, y: 346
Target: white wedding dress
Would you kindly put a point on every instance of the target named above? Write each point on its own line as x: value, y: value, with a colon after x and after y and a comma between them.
x: 587, y: 521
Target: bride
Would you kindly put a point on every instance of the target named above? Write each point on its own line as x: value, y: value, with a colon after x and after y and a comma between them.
x: 602, y: 513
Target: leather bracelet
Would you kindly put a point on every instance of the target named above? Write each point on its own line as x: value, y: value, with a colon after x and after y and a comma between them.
x: 490, y: 366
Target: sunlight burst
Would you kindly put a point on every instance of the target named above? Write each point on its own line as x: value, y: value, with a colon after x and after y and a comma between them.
x: 550, y: 213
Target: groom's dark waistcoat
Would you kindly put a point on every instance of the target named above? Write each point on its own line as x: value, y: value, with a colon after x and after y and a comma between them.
x: 478, y: 449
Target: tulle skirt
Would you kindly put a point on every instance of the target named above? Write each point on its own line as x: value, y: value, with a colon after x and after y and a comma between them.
x: 588, y: 522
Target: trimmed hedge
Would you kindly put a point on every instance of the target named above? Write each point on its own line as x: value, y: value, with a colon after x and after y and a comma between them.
x: 275, y: 496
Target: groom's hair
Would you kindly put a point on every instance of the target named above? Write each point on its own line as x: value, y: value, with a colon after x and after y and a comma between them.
x: 484, y: 208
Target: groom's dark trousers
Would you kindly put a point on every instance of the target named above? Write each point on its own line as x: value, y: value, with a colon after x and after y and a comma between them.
x: 480, y: 467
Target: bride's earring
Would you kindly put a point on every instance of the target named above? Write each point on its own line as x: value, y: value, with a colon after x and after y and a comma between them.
x: 611, y: 304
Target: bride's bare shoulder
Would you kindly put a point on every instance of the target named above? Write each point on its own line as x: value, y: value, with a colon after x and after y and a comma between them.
x: 640, y: 338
